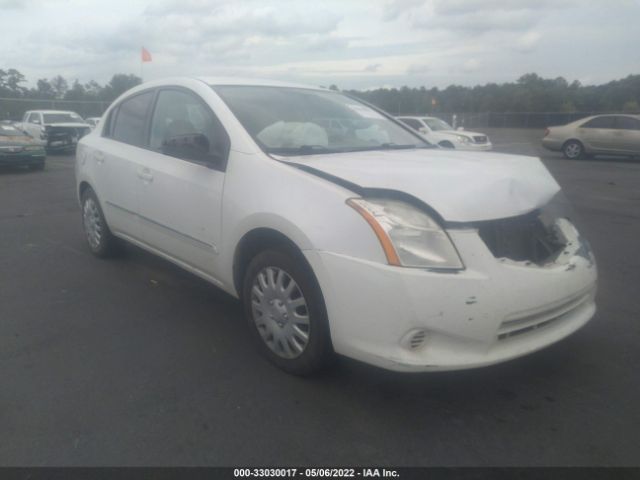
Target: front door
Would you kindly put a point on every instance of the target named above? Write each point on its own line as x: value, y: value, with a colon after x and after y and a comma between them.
x: 181, y: 198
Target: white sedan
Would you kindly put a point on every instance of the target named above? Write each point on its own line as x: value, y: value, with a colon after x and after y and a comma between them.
x: 439, y: 132
x: 339, y: 228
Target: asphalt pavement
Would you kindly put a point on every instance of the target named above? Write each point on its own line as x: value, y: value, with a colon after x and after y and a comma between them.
x: 134, y: 362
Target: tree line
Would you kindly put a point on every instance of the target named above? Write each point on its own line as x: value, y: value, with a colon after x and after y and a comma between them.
x: 530, y: 93
x: 58, y: 88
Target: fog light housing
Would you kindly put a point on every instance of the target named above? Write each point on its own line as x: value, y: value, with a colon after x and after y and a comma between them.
x: 415, y: 339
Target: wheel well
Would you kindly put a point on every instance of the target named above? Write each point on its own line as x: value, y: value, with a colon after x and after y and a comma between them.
x: 83, y: 187
x: 446, y: 144
x: 256, y: 241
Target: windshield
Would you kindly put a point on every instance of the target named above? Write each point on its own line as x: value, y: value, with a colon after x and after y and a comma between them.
x: 11, y: 131
x: 298, y: 121
x: 62, y: 117
x: 437, y: 124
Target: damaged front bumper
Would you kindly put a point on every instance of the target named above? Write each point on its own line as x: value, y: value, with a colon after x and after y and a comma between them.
x: 496, y: 309
x: 64, y: 138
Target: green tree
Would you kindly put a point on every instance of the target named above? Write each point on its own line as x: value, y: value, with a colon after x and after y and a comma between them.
x: 119, y: 84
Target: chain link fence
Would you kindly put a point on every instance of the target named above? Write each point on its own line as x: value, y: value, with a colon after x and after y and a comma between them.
x: 14, y: 108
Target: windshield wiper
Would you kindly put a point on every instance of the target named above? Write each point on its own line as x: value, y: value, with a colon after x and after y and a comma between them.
x: 395, y: 146
x: 389, y: 146
x: 302, y: 150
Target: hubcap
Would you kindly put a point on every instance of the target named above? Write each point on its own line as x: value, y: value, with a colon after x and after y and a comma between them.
x: 280, y: 312
x: 572, y: 150
x: 92, y: 223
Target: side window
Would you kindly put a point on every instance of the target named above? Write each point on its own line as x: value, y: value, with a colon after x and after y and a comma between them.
x: 184, y: 127
x: 599, y: 122
x: 129, y: 126
x: 627, y: 123
x: 34, y: 118
x: 412, y: 122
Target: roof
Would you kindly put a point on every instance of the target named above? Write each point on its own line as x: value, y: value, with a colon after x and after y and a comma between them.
x: 256, y: 82
x: 53, y: 111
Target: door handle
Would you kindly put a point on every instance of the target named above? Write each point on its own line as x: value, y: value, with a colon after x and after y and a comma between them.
x: 145, y: 175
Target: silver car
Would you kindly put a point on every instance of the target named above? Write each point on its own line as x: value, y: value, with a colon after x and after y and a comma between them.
x: 597, y: 135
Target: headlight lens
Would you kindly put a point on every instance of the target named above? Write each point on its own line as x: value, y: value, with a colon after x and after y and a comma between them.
x: 409, y: 237
x: 462, y: 138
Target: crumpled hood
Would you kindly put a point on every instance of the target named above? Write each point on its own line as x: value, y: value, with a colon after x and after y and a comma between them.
x: 456, y: 133
x: 460, y: 186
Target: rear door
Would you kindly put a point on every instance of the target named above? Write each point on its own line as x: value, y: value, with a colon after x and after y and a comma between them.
x: 115, y: 157
x: 181, y: 197
x: 600, y: 134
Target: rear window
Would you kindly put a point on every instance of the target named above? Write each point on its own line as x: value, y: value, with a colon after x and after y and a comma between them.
x: 599, y: 122
x: 62, y: 118
x: 130, y: 121
x: 11, y: 131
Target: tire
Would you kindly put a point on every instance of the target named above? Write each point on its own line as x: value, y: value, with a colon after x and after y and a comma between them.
x: 286, y: 313
x: 37, y: 166
x: 446, y: 144
x: 573, y: 150
x: 101, y: 241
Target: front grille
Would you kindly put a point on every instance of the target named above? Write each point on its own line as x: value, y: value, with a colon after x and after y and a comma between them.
x: 480, y: 138
x: 523, y: 239
x: 524, y: 324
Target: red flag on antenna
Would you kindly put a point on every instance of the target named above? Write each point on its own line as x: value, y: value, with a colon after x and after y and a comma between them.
x: 146, y: 55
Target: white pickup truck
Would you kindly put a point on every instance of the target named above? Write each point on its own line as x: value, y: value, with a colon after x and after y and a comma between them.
x: 60, y: 129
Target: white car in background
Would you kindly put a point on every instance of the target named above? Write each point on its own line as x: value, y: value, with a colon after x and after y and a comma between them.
x: 356, y: 237
x: 92, y: 122
x: 60, y: 129
x: 439, y: 132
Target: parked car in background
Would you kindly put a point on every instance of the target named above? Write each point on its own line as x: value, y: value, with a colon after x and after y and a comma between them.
x: 18, y: 148
x: 600, y: 134
x: 61, y: 130
x: 92, y: 121
x: 439, y: 132
x: 368, y: 242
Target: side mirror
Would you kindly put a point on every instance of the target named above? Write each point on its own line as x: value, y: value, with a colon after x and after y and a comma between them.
x: 191, y: 146
x: 460, y: 129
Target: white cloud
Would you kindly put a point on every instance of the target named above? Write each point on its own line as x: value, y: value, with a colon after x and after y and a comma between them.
x: 354, y: 43
x: 527, y: 42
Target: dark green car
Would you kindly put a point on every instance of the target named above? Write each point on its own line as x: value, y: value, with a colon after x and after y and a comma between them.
x: 18, y: 148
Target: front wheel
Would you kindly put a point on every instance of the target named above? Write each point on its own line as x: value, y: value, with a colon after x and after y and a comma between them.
x: 286, y: 312
x: 573, y: 150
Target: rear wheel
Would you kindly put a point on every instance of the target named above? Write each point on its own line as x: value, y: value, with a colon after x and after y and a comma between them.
x: 573, y: 150
x: 286, y: 312
x: 100, y: 239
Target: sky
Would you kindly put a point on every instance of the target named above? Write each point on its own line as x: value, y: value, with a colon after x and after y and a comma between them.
x: 355, y: 44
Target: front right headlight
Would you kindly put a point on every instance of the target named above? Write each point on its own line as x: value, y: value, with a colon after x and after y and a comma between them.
x: 409, y: 237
